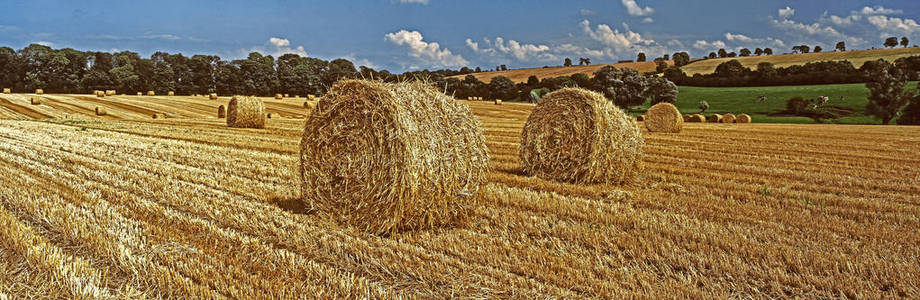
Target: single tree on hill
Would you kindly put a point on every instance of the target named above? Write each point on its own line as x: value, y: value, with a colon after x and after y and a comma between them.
x: 817, y: 49
x: 767, y: 51
x: 904, y: 41
x: 681, y: 58
x: 891, y: 42
x: 886, y: 89
x: 640, y: 57
x: 722, y: 52
x: 703, y: 106
x: 911, y: 113
x: 504, y: 68
x: 478, y: 70
x: 533, y: 81
x: 665, y: 57
x: 758, y: 52
x: 712, y: 55
x: 568, y: 62
x: 841, y: 46
x: 745, y: 52
x: 732, y: 54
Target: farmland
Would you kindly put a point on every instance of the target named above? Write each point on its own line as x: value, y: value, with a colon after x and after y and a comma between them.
x: 124, y: 205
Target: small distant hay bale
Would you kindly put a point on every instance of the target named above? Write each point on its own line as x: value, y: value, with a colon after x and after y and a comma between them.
x: 697, y: 118
x: 479, y: 98
x: 221, y: 112
x: 270, y: 115
x: 664, y: 117
x: 391, y: 157
x: 100, y: 111
x: 39, y: 91
x: 287, y: 95
x: 714, y: 118
x: 498, y: 101
x: 6, y: 91
x: 245, y: 112
x: 686, y: 117
x: 151, y: 93
x: 100, y: 94
x: 110, y: 93
x: 170, y: 93
x: 140, y: 94
x: 309, y: 105
x: 728, y: 118
x: 278, y: 96
x: 35, y: 101
x: 212, y: 96
x: 743, y: 118
x: 576, y: 135
x: 640, y: 118
x: 158, y: 116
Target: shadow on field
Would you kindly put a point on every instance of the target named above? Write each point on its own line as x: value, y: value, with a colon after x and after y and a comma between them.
x: 291, y: 204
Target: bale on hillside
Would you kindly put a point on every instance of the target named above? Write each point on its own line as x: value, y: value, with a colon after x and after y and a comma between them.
x: 245, y: 112
x: 151, y: 93
x: 140, y: 94
x: 728, y: 118
x: 39, y: 91
x: 212, y: 96
x: 287, y: 95
x: 498, y: 101
x: 100, y: 94
x: 100, y: 111
x: 743, y: 118
x: 697, y: 118
x: 714, y: 118
x: 170, y: 93
x: 221, y: 112
x: 110, y: 93
x: 278, y: 96
x: 577, y: 135
x: 6, y: 91
x: 389, y: 157
x: 664, y: 117
x: 640, y: 118
x: 35, y: 101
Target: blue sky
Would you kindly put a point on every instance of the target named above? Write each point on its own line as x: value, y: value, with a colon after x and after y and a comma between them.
x: 401, y: 35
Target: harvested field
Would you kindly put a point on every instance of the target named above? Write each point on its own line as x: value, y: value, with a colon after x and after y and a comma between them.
x: 130, y: 207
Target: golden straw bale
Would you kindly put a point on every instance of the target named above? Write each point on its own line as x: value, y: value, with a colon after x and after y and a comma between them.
x: 577, y: 135
x: 39, y: 91
x: 6, y: 91
x: 287, y: 95
x: 697, y: 118
x: 664, y: 117
x: 498, y: 101
x: 100, y: 94
x: 212, y: 96
x: 170, y: 93
x: 221, y: 112
x: 390, y: 157
x: 100, y: 111
x: 640, y: 118
x: 743, y: 118
x: 151, y: 93
x: 278, y: 96
x: 110, y: 93
x: 35, y: 101
x: 245, y: 112
x: 140, y: 94
x: 714, y: 118
x: 728, y: 118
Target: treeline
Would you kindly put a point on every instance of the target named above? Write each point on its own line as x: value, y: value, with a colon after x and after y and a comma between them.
x: 73, y: 71
x: 733, y: 74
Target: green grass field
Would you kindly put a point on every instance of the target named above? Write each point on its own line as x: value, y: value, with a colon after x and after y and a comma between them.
x: 744, y: 100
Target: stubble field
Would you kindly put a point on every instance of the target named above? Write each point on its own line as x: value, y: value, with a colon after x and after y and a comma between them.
x: 128, y: 206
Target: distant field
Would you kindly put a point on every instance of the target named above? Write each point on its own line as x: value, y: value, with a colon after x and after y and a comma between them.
x: 784, y: 60
x: 521, y: 75
x: 743, y: 100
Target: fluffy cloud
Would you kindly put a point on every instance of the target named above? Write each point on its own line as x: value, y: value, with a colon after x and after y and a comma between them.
x: 281, y: 46
x: 737, y: 37
x: 814, y: 29
x: 648, y: 20
x: 473, y: 45
x: 894, y: 25
x: 425, y: 2
x: 514, y: 49
x: 704, y: 45
x: 613, y: 38
x: 431, y: 53
x: 785, y: 13
x: 586, y: 12
x: 634, y: 9
x: 279, y: 42
x: 879, y: 10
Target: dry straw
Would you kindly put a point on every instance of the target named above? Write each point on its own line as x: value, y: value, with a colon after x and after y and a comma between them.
x: 743, y: 118
x: 498, y: 101
x: 6, y: 91
x: 158, y: 116
x: 35, y: 101
x: 170, y: 93
x: 697, y: 118
x: 151, y: 93
x: 221, y: 112
x: 664, y: 117
x: 278, y: 96
x: 140, y: 94
x: 714, y: 118
x: 212, y: 96
x: 311, y: 97
x: 100, y: 111
x: 640, y: 118
x: 39, y: 91
x: 245, y: 112
x: 100, y: 94
x: 728, y: 118
x: 110, y: 93
x: 576, y: 135
x: 287, y: 95
x: 389, y: 157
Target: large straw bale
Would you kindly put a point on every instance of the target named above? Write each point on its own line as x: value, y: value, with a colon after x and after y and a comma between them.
x: 577, y: 135
x: 100, y: 94
x: 714, y: 118
x: 110, y: 92
x: 664, y: 117
x: 743, y: 118
x: 728, y: 118
x: 140, y: 94
x: 697, y: 118
x: 245, y: 112
x: 390, y: 157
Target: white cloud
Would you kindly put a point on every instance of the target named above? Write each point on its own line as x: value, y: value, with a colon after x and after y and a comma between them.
x: 613, y: 37
x: 361, y: 61
x: 170, y: 37
x: 648, y: 20
x: 894, y: 25
x: 738, y: 37
x: 577, y: 50
x: 473, y: 45
x: 879, y: 10
x: 708, y: 46
x: 45, y: 43
x: 634, y: 9
x: 785, y: 13
x: 524, y: 52
x: 279, y: 42
x: 430, y: 52
x: 424, y: 2
x: 841, y: 21
x: 807, y: 29
x: 586, y: 12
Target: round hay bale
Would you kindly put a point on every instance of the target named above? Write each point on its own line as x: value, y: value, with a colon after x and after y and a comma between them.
x: 390, y: 157
x: 221, y: 112
x: 170, y: 93
x: 110, y: 93
x: 714, y: 118
x: 686, y: 118
x: 35, y: 101
x: 140, y: 94
x: 743, y: 118
x: 287, y: 96
x: 697, y: 118
x: 270, y: 115
x: 151, y: 93
x: 6, y: 91
x: 245, y: 112
x: 39, y: 91
x: 498, y: 101
x: 100, y: 111
x: 212, y: 96
x: 664, y: 117
x: 278, y: 96
x: 577, y: 135
x: 158, y: 116
x: 100, y: 94
x: 728, y: 118
x: 640, y: 118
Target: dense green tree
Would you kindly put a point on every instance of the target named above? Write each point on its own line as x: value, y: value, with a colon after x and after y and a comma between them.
x: 911, y: 113
x: 817, y: 49
x: 567, y: 62
x: 891, y: 42
x: 722, y: 53
x: 758, y: 52
x: 625, y: 87
x: 841, y: 46
x: 533, y: 81
x: 731, y: 68
x: 640, y: 57
x: 904, y: 41
x: 681, y: 58
x: 581, y: 80
x: 661, y: 90
x: 745, y: 52
x: 886, y: 90
x: 339, y: 69
x: 712, y: 55
x: 660, y: 65
x: 501, y: 87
